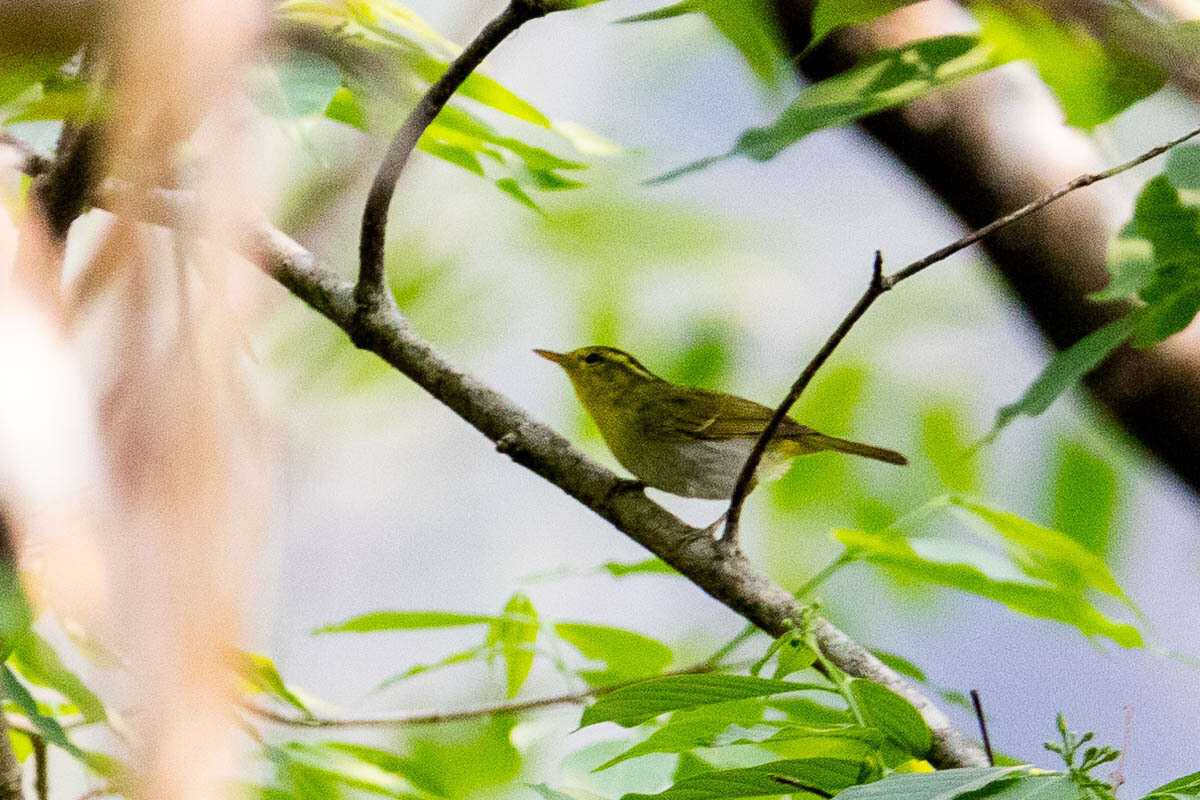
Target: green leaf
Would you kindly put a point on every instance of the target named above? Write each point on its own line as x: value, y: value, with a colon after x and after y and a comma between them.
x: 393, y: 30
x: 901, y: 665
x: 627, y: 655
x: 827, y: 776
x: 1187, y: 786
x: 345, y: 107
x: 262, y: 676
x: 1084, y: 495
x: 19, y: 72
x: 468, y: 760
x: 1065, y: 369
x: 301, y: 85
x: 1047, y: 554
x: 689, y: 764
x: 752, y: 26
x: 666, y: 12
x: 1093, y: 81
x: 1156, y: 257
x: 633, y: 705
x: 57, y: 98
x: 687, y: 732
x: 406, y: 620
x: 15, y: 616
x: 547, y: 793
x: 884, y: 80
x: 38, y: 663
x: 1040, y: 787
x: 1172, y: 293
x: 831, y: 14
x: 1130, y: 263
x: 510, y: 187
x: 336, y: 762
x: 944, y: 784
x: 945, y: 445
x: 1046, y: 574
x: 794, y: 655
x: 887, y: 711
x: 516, y: 632
x: 653, y: 566
x: 461, y: 657
x: 47, y: 727
x: 809, y: 712
x: 674, y: 737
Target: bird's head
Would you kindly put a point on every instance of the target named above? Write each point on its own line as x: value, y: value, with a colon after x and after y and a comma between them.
x: 601, y: 373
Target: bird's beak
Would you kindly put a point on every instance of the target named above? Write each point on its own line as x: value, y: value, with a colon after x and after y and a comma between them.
x: 550, y: 355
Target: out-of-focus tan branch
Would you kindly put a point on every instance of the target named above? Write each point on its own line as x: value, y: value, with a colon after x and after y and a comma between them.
x: 986, y: 146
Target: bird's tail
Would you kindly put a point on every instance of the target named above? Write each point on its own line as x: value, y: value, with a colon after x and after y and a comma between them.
x: 814, y: 442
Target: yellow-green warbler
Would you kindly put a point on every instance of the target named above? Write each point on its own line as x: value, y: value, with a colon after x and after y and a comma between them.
x: 686, y: 441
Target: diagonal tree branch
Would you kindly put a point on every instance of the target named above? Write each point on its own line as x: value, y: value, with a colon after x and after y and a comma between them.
x: 371, y: 289
x: 881, y: 283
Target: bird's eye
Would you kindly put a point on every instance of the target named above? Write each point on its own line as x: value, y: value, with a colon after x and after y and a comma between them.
x: 592, y: 358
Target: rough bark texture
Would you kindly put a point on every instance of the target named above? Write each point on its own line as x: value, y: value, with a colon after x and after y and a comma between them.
x: 991, y: 144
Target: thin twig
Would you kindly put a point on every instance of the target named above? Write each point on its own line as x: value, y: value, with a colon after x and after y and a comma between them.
x: 371, y: 288
x: 41, y: 767
x: 881, y: 283
x: 401, y: 720
x: 745, y: 481
x: 983, y: 729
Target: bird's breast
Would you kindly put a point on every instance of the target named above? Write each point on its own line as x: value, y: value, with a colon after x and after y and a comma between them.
x: 697, y: 468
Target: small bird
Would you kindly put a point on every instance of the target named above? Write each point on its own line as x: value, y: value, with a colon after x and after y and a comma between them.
x: 686, y: 441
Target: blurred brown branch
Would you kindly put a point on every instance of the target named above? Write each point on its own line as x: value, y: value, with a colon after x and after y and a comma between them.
x: 984, y: 147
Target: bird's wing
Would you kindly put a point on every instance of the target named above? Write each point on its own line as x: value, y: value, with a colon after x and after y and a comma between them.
x: 712, y: 416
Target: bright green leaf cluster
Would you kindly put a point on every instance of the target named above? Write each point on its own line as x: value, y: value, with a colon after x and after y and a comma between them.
x: 882, y: 81
x: 1155, y: 264
x: 1093, y: 81
x: 1042, y: 572
x: 368, y: 58
x: 773, y: 737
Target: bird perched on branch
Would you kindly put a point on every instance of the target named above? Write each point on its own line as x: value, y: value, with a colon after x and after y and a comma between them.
x: 686, y: 441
